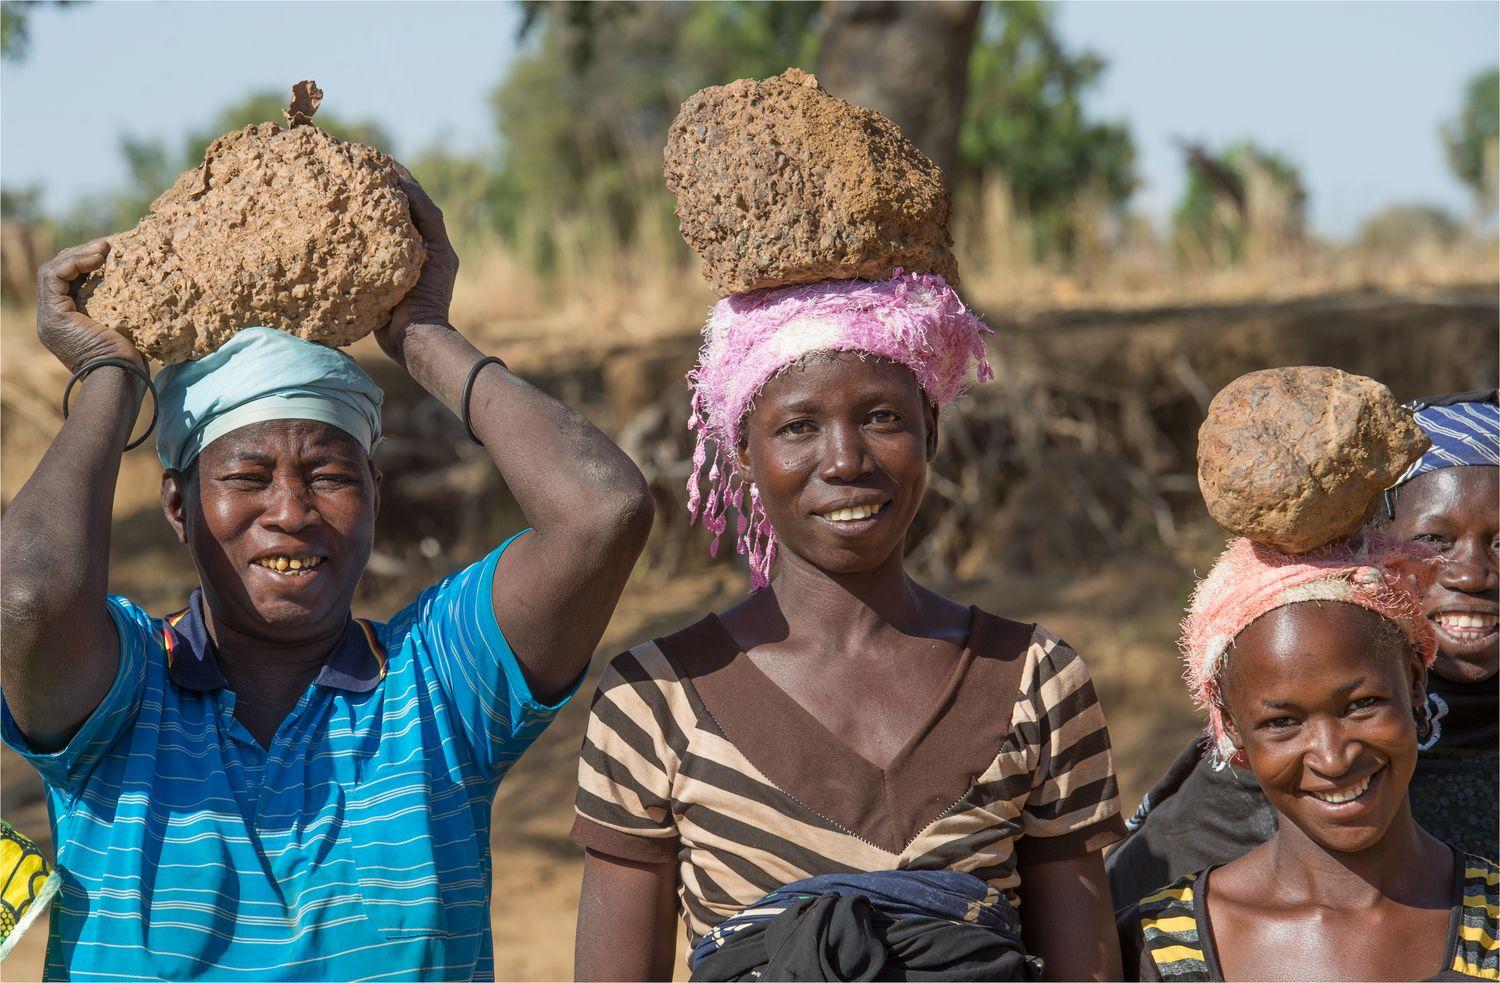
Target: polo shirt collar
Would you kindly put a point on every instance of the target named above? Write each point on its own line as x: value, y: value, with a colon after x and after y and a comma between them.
x: 356, y: 664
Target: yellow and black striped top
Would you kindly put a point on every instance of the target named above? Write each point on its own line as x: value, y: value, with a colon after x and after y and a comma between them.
x: 1166, y: 934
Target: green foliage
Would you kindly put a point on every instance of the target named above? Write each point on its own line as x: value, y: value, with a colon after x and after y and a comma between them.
x: 1473, y: 139
x: 1232, y: 199
x: 1024, y: 120
x: 14, y: 38
x: 470, y: 190
x: 22, y: 204
x: 582, y: 136
x: 15, y: 33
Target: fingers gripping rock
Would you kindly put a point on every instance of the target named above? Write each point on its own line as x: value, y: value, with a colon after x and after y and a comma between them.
x: 287, y: 228
x: 1298, y: 457
x: 777, y: 182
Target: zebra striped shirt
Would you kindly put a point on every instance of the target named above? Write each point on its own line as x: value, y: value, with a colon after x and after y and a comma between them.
x: 693, y: 755
x: 355, y: 847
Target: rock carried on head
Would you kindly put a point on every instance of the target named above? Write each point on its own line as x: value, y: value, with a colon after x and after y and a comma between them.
x: 777, y: 183
x: 1299, y: 457
x: 287, y: 228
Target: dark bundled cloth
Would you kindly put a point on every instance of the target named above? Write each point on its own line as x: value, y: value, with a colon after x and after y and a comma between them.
x: 1197, y: 817
x: 889, y: 925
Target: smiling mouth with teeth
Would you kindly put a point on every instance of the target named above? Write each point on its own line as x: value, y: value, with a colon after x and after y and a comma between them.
x: 291, y: 565
x: 1466, y: 624
x: 853, y: 513
x: 1344, y: 795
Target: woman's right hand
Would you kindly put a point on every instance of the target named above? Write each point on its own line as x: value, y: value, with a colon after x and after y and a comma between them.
x: 74, y: 337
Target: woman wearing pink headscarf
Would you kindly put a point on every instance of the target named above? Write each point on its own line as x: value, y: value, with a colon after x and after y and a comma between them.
x: 1312, y: 671
x: 846, y: 775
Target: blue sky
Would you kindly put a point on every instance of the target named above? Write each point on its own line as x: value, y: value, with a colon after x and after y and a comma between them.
x: 1353, y: 92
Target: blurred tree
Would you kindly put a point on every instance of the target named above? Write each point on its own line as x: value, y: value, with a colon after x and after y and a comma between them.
x: 582, y: 136
x: 470, y: 191
x: 582, y: 121
x: 1024, y: 122
x: 25, y: 242
x: 1473, y: 140
x: 909, y: 61
x: 585, y: 20
x: 15, y: 35
x: 1400, y: 231
x: 1240, y: 204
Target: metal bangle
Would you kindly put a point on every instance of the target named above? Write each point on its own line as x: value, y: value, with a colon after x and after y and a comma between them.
x: 128, y: 366
x: 469, y: 391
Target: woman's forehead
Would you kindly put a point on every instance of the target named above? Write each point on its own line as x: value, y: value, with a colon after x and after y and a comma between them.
x: 277, y: 438
x: 1300, y: 642
x: 842, y: 374
x: 1458, y: 493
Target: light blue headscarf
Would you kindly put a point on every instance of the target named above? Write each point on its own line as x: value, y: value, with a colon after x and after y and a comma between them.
x: 261, y: 374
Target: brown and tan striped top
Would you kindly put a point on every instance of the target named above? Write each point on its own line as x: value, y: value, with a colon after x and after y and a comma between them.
x: 692, y: 754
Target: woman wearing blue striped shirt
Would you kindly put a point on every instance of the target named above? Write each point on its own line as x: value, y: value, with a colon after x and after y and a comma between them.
x: 260, y: 786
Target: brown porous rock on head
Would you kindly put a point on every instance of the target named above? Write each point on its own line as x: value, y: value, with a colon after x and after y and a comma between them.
x: 777, y: 183
x: 286, y: 228
x: 1299, y: 457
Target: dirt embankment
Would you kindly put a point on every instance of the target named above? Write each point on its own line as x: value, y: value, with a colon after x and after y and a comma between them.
x: 1063, y: 493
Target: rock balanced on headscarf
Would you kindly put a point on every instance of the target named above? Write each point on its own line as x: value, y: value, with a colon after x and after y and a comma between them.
x: 778, y: 183
x: 822, y: 229
x: 288, y: 228
x: 1297, y: 458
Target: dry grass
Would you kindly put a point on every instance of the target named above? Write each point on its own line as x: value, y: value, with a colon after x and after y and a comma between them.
x: 604, y: 294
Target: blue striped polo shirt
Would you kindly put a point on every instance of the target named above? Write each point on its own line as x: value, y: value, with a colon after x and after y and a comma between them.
x: 356, y: 847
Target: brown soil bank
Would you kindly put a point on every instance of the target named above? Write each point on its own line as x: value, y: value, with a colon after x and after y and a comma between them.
x: 1064, y: 492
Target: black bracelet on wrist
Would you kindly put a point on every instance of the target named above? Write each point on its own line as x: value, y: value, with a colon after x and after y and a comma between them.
x: 463, y: 403
x: 128, y: 366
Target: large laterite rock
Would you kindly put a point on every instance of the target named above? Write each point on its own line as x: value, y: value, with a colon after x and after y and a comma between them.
x: 1298, y: 457
x: 288, y: 228
x: 778, y: 183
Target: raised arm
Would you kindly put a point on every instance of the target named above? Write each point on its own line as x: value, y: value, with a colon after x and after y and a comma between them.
x: 587, y: 502
x: 627, y: 927
x: 61, y: 652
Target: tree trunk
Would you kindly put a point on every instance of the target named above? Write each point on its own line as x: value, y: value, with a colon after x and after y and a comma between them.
x: 908, y: 60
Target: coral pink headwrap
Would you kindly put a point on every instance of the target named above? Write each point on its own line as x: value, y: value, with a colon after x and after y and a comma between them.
x: 1251, y: 579
x: 913, y: 319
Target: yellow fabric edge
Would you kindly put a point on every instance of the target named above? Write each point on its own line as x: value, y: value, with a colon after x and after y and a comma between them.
x: 50, y: 888
x: 1178, y: 923
x: 1478, y: 903
x: 1175, y: 953
x: 1462, y: 965
x: 1490, y: 877
x: 1184, y: 893
x: 1476, y: 933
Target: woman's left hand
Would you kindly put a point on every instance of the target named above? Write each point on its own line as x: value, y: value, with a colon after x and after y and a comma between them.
x: 428, y: 301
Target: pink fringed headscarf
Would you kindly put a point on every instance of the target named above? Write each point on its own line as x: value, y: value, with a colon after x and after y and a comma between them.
x: 1251, y: 579
x: 913, y: 319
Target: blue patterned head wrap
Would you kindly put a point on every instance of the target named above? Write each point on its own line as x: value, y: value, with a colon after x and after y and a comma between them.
x: 1465, y: 432
x: 262, y: 374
